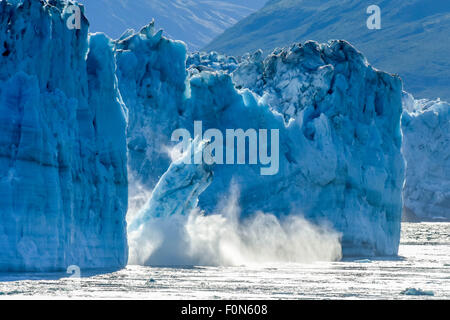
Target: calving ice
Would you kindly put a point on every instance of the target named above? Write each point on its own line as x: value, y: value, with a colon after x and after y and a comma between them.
x: 235, y: 146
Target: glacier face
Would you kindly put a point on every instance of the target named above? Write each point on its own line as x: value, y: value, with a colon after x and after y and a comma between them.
x: 426, y: 130
x: 63, y: 171
x: 339, y: 123
x: 65, y: 137
x: 152, y: 80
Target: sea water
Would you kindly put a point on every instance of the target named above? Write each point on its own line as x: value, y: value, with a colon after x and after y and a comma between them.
x: 421, y: 271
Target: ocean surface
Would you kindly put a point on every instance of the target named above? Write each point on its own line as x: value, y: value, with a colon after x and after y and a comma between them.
x: 422, y: 271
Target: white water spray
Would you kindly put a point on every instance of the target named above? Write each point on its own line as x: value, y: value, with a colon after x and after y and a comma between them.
x: 223, y: 239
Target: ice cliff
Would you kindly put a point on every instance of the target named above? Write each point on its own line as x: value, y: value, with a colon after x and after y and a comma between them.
x: 72, y: 105
x: 426, y: 130
x: 63, y: 174
x: 338, y: 120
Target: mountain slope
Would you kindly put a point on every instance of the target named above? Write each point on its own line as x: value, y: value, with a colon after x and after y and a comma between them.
x: 413, y: 41
x: 195, y: 22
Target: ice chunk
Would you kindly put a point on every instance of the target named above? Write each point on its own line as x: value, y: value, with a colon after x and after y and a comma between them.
x: 417, y: 292
x: 179, y: 188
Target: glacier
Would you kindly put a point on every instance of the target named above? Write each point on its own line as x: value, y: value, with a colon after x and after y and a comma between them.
x: 339, y: 123
x: 63, y: 157
x: 85, y: 118
x: 426, y: 130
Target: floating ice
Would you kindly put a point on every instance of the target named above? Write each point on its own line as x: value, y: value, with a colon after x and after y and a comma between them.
x: 417, y: 292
